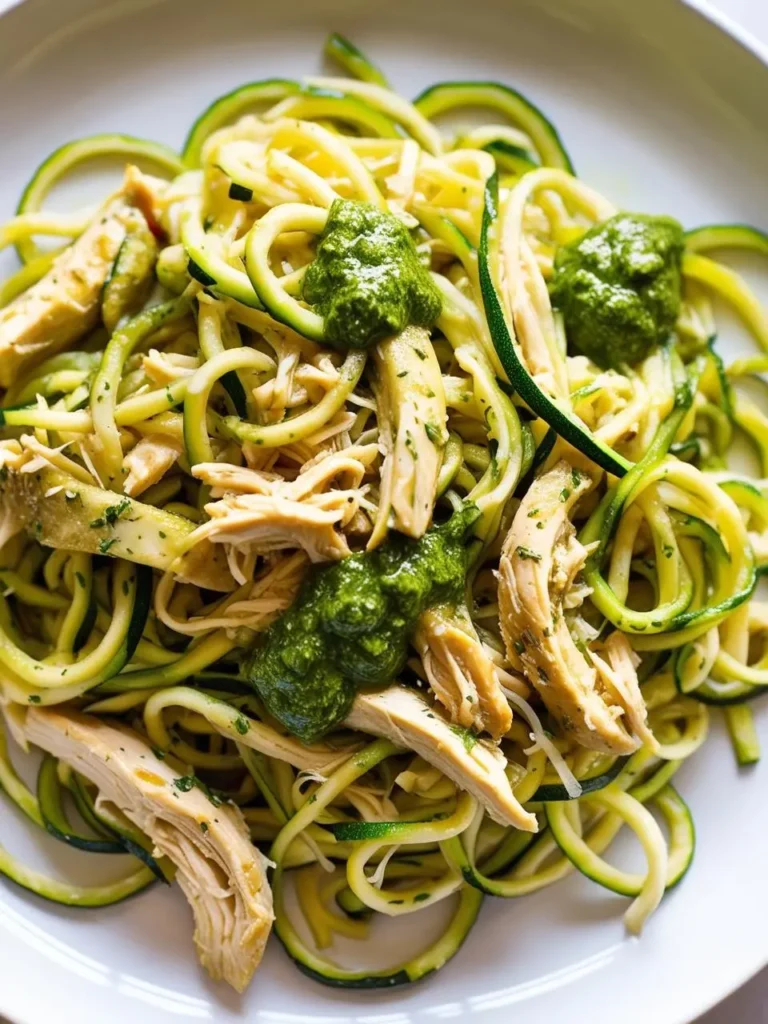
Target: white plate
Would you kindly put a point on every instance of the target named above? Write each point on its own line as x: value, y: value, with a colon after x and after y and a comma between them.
x: 663, y: 112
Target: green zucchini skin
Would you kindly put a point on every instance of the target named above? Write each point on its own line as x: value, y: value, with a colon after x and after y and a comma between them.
x: 200, y: 274
x: 677, y: 815
x: 49, y: 797
x: 540, y: 456
x: 511, y: 158
x: 444, y: 96
x: 479, y: 878
x: 313, y: 103
x: 228, y: 108
x: 743, y: 734
x: 240, y: 193
x: 352, y: 906
x: 353, y: 60
x: 706, y: 693
x: 362, y: 831
x: 727, y: 236
x: 556, y: 793
x: 726, y: 388
x: 367, y: 981
x: 64, y: 894
x: 85, y: 808
x: 81, y: 638
x: 234, y: 388
x: 215, y: 275
x: 470, y: 901
x: 72, y: 154
x: 141, y: 604
x: 128, y: 842
x: 518, y: 376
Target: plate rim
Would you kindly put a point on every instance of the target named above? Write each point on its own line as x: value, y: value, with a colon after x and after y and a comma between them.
x: 728, y: 26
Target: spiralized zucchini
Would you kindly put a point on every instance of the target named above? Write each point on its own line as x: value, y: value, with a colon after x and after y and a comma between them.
x: 217, y: 400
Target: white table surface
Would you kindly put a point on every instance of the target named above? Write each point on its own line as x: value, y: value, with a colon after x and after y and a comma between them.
x: 750, y: 1004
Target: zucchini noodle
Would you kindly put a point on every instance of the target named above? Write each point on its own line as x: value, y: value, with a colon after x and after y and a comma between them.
x: 186, y: 465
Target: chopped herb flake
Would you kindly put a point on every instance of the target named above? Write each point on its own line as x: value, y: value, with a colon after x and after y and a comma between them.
x: 467, y: 737
x: 187, y: 782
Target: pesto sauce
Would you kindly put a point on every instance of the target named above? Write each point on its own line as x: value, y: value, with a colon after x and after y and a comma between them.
x: 367, y: 281
x: 350, y: 624
x: 618, y: 287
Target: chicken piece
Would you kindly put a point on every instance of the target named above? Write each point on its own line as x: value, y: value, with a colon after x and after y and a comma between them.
x: 619, y: 678
x: 63, y: 305
x: 309, y: 757
x: 540, y: 560
x: 534, y: 322
x: 255, y: 604
x: 460, y: 672
x: 63, y: 512
x: 148, y: 462
x: 222, y: 874
x: 148, y: 194
x: 132, y: 275
x: 411, y: 418
x: 475, y: 765
x: 268, y: 513
x: 165, y: 367
x: 274, y: 523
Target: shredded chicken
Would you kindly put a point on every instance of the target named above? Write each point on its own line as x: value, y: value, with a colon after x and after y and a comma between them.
x: 222, y: 874
x: 148, y: 192
x: 412, y: 433
x: 64, y: 304
x: 148, y: 462
x: 264, y: 512
x: 43, y: 490
x: 164, y: 367
x: 279, y: 393
x: 599, y: 705
x: 475, y: 765
x: 460, y: 672
x: 255, y: 604
x: 619, y: 678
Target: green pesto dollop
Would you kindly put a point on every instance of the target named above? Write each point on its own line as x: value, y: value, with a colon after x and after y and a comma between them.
x: 367, y: 281
x: 618, y: 287
x: 349, y: 626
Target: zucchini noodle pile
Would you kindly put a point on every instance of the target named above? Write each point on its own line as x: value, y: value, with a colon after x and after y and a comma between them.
x: 173, y: 465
